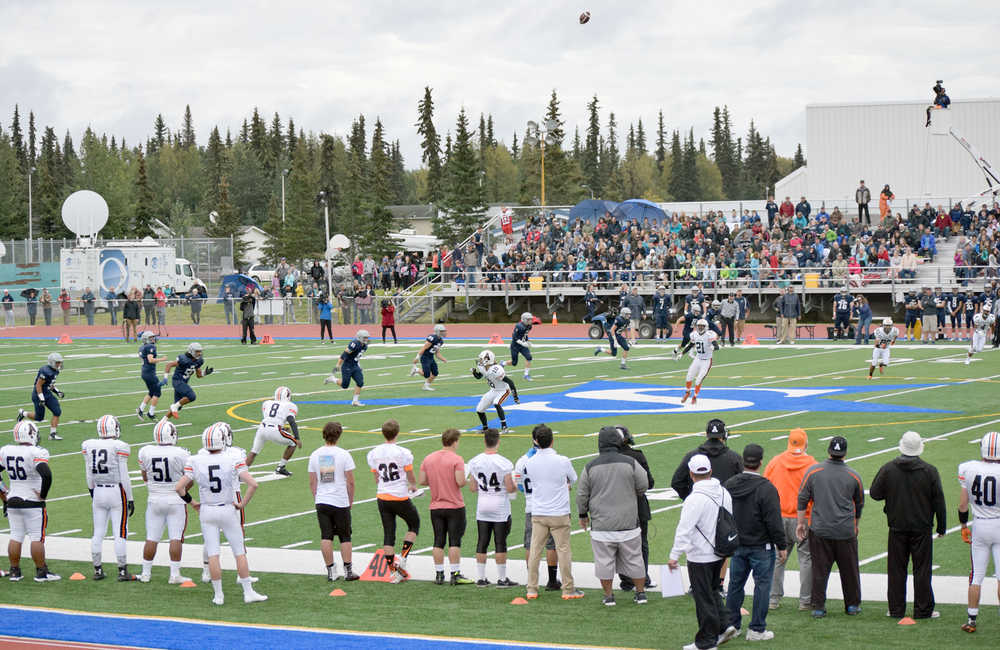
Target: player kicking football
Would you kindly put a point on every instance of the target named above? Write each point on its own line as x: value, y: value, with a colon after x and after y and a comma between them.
x: 147, y: 352
x: 885, y: 338
x: 184, y: 367
x: 500, y: 387
x: 979, y: 479
x: 106, y: 464
x: 162, y: 464
x: 349, y: 366
x: 705, y: 342
x: 981, y: 323
x: 278, y: 413
x: 218, y: 475
x: 619, y: 326
x: 427, y: 354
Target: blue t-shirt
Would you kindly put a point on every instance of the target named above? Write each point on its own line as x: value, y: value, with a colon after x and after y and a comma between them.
x: 48, y: 376
x: 353, y: 353
x: 436, y: 343
x: 186, y: 366
x: 520, y: 332
x: 145, y: 350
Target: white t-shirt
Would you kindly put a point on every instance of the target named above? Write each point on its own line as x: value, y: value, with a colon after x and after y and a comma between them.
x: 551, y: 475
x: 489, y: 471
x: 21, y: 462
x: 164, y: 465
x: 390, y: 462
x: 106, y: 461
x: 982, y: 480
x: 884, y: 339
x: 330, y: 464
x: 217, y: 476
x: 275, y: 413
x: 703, y: 347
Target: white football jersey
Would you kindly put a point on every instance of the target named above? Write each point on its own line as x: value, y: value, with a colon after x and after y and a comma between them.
x: 390, y: 462
x: 164, y: 465
x: 494, y: 377
x: 276, y: 413
x: 884, y: 339
x: 106, y: 460
x: 703, y: 347
x: 489, y: 471
x: 982, y: 323
x: 524, y: 482
x: 21, y: 462
x: 217, y: 476
x: 982, y: 480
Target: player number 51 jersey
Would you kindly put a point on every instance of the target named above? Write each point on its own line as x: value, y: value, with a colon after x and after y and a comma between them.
x: 164, y: 465
x: 981, y: 479
x: 884, y: 339
x: 276, y: 413
x: 101, y: 458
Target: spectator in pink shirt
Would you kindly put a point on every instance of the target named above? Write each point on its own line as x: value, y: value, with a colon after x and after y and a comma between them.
x: 444, y: 472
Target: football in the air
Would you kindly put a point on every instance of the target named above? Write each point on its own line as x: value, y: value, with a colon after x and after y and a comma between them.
x: 585, y: 18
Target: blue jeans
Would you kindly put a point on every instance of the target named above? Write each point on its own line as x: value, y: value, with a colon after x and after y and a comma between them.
x: 744, y: 561
x: 863, y: 325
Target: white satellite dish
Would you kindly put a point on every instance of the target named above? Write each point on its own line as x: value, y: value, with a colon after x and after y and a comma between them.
x: 3, y: 250
x: 213, y: 217
x: 336, y: 244
x: 85, y: 213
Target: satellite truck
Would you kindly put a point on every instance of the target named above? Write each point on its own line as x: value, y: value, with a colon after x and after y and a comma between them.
x: 116, y: 267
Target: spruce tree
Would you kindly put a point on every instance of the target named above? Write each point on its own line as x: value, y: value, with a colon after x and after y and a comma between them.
x: 464, y: 204
x: 591, y: 158
x: 17, y: 141
x: 32, y: 152
x: 431, y: 146
x: 291, y: 140
x: 13, y: 191
x: 142, y: 220
x: 489, y: 131
x: 800, y: 159
x: 160, y: 133
x: 303, y: 236
x: 690, y: 167
x: 661, y: 143
x: 187, y: 132
x: 677, y: 187
x: 640, y: 137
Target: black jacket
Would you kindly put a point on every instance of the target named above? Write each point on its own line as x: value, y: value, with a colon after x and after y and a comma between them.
x: 643, y: 502
x: 725, y: 464
x: 913, y: 496
x: 757, y: 510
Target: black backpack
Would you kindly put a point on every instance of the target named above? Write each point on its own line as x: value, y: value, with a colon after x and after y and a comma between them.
x: 727, y: 535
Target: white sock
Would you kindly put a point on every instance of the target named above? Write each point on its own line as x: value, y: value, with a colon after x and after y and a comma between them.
x: 481, y: 570
x: 175, y: 407
x: 281, y: 463
x: 247, y: 585
x: 453, y: 568
x: 152, y: 410
x: 438, y: 568
x: 501, y: 571
x: 175, y: 568
x: 147, y: 567
x: 217, y: 586
x: 142, y: 405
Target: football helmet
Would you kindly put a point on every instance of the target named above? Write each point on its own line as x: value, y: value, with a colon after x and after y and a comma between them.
x: 486, y: 358
x: 716, y: 305
x: 108, y: 427
x: 626, y: 312
x: 227, y: 432
x: 147, y: 337
x: 695, y: 309
x: 440, y: 329
x: 55, y: 361
x: 989, y: 447
x: 282, y: 394
x: 886, y: 322
x: 702, y: 325
x: 194, y: 350
x: 527, y: 318
x: 213, y: 439
x: 26, y: 432
x: 165, y: 433
x: 362, y: 336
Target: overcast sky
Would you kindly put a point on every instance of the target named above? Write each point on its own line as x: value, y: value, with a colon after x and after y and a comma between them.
x: 114, y: 65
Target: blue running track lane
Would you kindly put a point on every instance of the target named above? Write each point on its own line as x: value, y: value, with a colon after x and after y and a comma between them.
x: 183, y: 634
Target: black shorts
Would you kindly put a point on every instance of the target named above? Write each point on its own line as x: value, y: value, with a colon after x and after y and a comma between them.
x: 448, y: 523
x: 334, y: 522
x: 498, y: 529
x: 389, y: 510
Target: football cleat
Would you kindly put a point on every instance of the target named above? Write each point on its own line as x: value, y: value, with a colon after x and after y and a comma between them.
x: 597, y: 352
x: 527, y: 377
x: 969, y: 626
x: 576, y: 594
x: 483, y: 582
x: 357, y: 403
x: 143, y: 577
x: 124, y: 575
x: 20, y: 414
x: 351, y: 576
x: 623, y: 366
x: 173, y: 580
x: 687, y: 394
x: 55, y: 436
x: 44, y: 575
x: 531, y: 596
x: 506, y: 430
x: 329, y: 380
x: 99, y: 573
x: 206, y: 576
x: 427, y: 387
x: 282, y: 471
x: 15, y: 574
x: 439, y: 578
x: 219, y: 600
x: 504, y: 583
x: 140, y: 413
x: 398, y: 576
x: 253, y: 597
x: 694, y: 400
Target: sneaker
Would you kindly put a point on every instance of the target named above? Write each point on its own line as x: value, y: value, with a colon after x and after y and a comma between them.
x: 609, y: 601
x: 805, y: 607
x: 357, y: 403
x: 55, y: 436
x: 124, y: 575
x: 531, y: 595
x: 21, y: 414
x: 252, y: 596
x: 819, y: 613
x: 597, y: 352
x: 506, y: 430
x: 173, y: 580
x: 99, y: 573
x: 970, y: 625
x: 398, y: 576
x: 329, y: 380
x: 413, y: 370
x: 853, y: 610
x: 283, y: 471
x: 553, y: 585
x: 15, y: 574
x: 428, y: 387
x: 139, y: 412
x: 527, y: 377
x: 351, y: 576
x: 458, y: 579
x: 730, y: 632
x: 44, y: 575
x: 504, y: 583
x: 623, y: 366
x: 143, y: 577
x: 331, y: 574
x: 773, y: 605
x: 483, y: 582
x: 640, y: 598
x: 439, y: 578
x: 934, y: 614
x: 576, y: 594
x: 766, y: 635
x: 218, y: 600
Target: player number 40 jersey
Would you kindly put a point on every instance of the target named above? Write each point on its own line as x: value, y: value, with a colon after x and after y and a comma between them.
x: 884, y: 339
x: 981, y: 479
x: 703, y: 347
x: 276, y: 413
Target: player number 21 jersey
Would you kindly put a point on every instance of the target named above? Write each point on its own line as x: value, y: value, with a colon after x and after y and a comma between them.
x: 703, y: 344
x: 981, y: 479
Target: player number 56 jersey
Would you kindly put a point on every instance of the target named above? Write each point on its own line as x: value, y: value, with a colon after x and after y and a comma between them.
x: 101, y: 457
x: 164, y: 465
x: 390, y: 463
x: 981, y: 479
x: 884, y: 339
x: 217, y: 476
x: 703, y: 347
x: 20, y: 463
x: 276, y: 413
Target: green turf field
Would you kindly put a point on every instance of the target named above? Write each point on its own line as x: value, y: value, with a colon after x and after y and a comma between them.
x: 778, y: 391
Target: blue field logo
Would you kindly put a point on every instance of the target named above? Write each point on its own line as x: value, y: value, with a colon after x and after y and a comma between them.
x: 603, y: 398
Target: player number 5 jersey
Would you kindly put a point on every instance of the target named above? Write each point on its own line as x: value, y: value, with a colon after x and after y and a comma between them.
x: 102, y: 458
x: 883, y: 339
x: 981, y: 479
x: 217, y: 476
x: 276, y: 413
x: 164, y: 465
x: 20, y: 463
x: 703, y: 347
x: 390, y: 463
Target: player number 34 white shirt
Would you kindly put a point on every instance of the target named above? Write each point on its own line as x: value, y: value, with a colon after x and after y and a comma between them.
x: 489, y: 471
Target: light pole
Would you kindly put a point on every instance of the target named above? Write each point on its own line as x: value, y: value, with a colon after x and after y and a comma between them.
x: 284, y: 174
x: 589, y: 189
x: 540, y: 136
x: 326, y: 255
x: 30, y: 233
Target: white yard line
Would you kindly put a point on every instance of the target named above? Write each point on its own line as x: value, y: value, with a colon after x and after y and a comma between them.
x: 297, y: 544
x: 942, y: 436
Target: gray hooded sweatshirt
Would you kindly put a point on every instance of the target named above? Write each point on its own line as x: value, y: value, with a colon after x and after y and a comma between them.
x: 609, y: 485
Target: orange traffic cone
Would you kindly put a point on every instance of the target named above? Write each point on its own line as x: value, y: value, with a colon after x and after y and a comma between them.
x: 750, y: 339
x: 555, y: 321
x: 188, y: 584
x: 64, y: 339
x: 519, y: 601
x: 496, y: 338
x: 906, y: 620
x: 338, y: 592
x: 78, y: 576
x: 267, y: 340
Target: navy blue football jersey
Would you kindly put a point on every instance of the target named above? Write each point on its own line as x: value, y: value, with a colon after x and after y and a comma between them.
x: 842, y: 302
x: 520, y: 332
x: 436, y: 343
x: 145, y: 350
x: 353, y: 353
x: 48, y: 376
x: 186, y: 366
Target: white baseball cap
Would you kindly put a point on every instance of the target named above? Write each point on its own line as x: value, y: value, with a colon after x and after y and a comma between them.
x: 699, y: 464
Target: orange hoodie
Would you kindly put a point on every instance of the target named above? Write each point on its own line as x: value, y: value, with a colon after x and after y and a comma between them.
x: 785, y: 471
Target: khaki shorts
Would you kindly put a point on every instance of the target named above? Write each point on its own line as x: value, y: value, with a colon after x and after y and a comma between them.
x: 618, y: 558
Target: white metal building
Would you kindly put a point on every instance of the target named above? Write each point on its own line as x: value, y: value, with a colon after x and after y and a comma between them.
x: 887, y: 142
